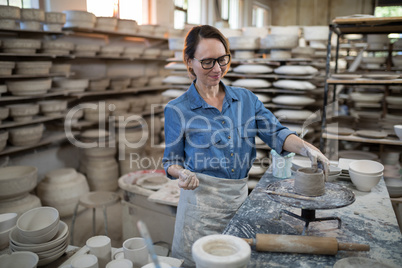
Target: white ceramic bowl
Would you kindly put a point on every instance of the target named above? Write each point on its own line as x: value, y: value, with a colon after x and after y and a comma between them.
x: 363, y: 182
x: 7, y: 221
x: 398, y: 131
x: 4, y: 238
x: 22, y: 259
x: 394, y: 187
x: 38, y: 221
x: 60, y: 238
x: 17, y: 180
x: 40, y: 238
x: 366, y: 167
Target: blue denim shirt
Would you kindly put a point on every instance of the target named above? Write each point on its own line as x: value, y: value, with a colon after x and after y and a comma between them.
x: 222, y: 144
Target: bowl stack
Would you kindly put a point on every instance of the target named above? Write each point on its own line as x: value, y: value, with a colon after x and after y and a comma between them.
x: 40, y: 231
x: 7, y: 223
x: 365, y: 174
x: 15, y: 184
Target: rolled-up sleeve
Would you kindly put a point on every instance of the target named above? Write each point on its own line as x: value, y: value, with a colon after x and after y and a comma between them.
x: 174, y: 140
x: 270, y: 130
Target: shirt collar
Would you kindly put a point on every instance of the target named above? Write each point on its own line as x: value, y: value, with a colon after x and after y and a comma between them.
x: 196, y: 100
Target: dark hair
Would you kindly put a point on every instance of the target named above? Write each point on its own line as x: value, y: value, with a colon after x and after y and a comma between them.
x: 194, y: 36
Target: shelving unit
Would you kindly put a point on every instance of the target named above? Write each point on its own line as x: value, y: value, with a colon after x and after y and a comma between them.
x: 341, y: 26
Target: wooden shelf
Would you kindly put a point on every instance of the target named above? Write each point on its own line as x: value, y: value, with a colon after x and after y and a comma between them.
x: 367, y: 25
x: 72, y: 30
x: 20, y: 76
x: 364, y: 81
x: 118, y: 92
x: 48, y: 138
x: 37, y: 119
x: 33, y: 97
x: 41, y: 32
x: 388, y: 141
x: 36, y: 55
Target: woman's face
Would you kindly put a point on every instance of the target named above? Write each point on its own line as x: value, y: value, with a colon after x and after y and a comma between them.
x: 208, y: 48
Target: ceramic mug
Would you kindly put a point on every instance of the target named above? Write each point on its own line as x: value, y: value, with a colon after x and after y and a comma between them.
x: 136, y: 251
x: 101, y: 247
x: 85, y: 261
x: 122, y: 263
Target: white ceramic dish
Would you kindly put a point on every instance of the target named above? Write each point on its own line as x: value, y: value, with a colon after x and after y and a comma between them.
x: 294, y: 84
x: 181, y: 80
x: 295, y: 70
x: 252, y: 68
x: 394, y: 187
x: 40, y: 238
x: 38, y: 221
x: 251, y: 83
x: 294, y: 114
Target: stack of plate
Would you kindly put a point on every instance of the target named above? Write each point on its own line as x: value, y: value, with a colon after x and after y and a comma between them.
x: 40, y: 231
x: 344, y: 165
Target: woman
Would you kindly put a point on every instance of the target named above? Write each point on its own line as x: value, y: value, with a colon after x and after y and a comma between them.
x: 209, y: 133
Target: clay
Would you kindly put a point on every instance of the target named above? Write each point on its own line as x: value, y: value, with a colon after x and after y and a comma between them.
x: 309, y: 182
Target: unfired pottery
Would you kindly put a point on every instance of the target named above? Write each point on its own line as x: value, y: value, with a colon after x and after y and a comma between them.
x: 10, y: 12
x: 17, y: 180
x: 27, y: 135
x: 3, y: 139
x: 279, y: 41
x: 309, y: 182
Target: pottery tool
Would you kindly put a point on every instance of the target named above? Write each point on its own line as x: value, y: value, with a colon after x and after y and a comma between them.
x: 297, y: 196
x: 148, y: 242
x: 302, y: 244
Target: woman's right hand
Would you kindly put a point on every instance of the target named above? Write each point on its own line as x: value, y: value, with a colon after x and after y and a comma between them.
x: 188, y: 180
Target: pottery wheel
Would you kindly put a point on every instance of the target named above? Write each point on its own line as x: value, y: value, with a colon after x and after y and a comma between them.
x: 335, y: 196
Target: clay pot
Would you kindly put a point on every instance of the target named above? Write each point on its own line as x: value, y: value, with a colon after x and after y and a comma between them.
x: 26, y: 136
x: 62, y: 189
x: 9, y: 24
x: 102, y: 173
x: 17, y: 180
x: 20, y: 204
x: 71, y: 85
x: 280, y: 41
x: 3, y: 139
x: 55, y: 17
x: 32, y: 14
x: 106, y: 23
x: 53, y: 107
x: 98, y: 84
x: 309, y: 182
x: 23, y: 112
x: 127, y: 26
x: 29, y: 87
x: 10, y: 12
x: 30, y: 25
x: 6, y: 67
x: 4, y: 113
x: 61, y: 68
x: 33, y: 67
x: 52, y: 27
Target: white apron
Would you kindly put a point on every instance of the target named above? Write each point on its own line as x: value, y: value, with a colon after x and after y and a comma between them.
x: 205, y: 211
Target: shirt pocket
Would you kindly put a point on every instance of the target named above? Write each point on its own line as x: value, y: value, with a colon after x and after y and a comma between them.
x: 247, y: 136
x: 202, y: 140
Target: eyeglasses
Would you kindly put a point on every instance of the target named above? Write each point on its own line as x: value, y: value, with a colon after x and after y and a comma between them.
x: 207, y: 64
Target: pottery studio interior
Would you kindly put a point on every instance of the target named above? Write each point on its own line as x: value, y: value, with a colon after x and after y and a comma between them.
x: 126, y: 139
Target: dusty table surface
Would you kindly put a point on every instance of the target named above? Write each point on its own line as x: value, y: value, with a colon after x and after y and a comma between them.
x: 369, y: 220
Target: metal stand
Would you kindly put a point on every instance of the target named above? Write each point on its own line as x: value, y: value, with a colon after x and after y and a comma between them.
x: 308, y: 215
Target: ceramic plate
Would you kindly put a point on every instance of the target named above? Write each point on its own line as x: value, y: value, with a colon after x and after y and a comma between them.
x: 346, y: 76
x: 294, y: 114
x: 252, y: 68
x: 340, y: 130
x: 263, y: 97
x: 381, y: 76
x: 344, y: 164
x: 394, y: 100
x: 371, y: 134
x: 354, y: 154
x: 293, y: 100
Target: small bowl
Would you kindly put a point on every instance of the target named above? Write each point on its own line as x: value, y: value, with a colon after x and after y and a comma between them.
x: 366, y: 167
x: 21, y: 259
x: 40, y: 238
x: 7, y: 221
x: 398, y: 131
x: 5, y: 238
x: 364, y: 183
x: 38, y: 221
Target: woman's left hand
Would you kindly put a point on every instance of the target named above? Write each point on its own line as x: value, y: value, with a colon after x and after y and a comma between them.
x: 188, y: 180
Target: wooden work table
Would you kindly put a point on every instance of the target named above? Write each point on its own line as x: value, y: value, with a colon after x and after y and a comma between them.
x: 369, y: 220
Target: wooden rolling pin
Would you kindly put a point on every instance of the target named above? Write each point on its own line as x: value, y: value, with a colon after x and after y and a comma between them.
x: 302, y: 244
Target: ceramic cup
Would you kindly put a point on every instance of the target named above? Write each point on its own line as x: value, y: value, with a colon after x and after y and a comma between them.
x: 281, y: 165
x: 101, y: 247
x: 136, y: 251
x: 123, y: 263
x: 85, y: 261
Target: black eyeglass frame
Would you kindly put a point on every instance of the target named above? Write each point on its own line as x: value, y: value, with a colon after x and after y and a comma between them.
x: 214, y: 61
